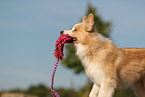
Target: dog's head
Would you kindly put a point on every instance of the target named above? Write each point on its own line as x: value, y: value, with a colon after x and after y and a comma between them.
x: 81, y: 32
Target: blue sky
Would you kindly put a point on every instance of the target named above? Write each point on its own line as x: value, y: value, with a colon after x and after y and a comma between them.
x: 29, y: 29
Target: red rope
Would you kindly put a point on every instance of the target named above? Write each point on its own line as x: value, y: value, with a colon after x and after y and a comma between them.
x: 59, y: 56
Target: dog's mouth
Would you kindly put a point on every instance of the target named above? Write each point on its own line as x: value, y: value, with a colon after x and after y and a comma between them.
x: 74, y: 39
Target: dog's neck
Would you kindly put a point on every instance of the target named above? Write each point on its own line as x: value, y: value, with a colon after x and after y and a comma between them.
x: 94, y: 42
x: 93, y: 49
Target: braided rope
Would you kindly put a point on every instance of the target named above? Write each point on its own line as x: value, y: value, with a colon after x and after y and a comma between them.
x: 59, y: 55
x: 54, y: 93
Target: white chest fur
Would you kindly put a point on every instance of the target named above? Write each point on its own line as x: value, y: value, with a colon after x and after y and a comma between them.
x: 93, y: 68
x: 95, y: 73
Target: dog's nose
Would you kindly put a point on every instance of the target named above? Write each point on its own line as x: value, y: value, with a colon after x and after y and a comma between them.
x: 61, y: 32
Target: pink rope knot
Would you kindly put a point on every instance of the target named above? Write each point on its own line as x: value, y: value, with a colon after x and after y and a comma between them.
x: 60, y: 44
x: 59, y: 56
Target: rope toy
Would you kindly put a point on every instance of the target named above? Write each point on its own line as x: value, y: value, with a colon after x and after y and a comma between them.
x: 59, y: 56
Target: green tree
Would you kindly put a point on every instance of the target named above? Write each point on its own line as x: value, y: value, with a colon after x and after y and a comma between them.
x: 124, y: 93
x: 70, y: 60
x: 39, y: 90
x: 67, y: 92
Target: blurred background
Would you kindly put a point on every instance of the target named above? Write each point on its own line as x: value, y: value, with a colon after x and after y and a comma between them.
x: 30, y: 28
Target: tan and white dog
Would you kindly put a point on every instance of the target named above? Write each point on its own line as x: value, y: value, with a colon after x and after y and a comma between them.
x: 109, y: 67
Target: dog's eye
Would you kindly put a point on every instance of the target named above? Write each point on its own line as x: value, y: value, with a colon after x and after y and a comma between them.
x: 75, y: 29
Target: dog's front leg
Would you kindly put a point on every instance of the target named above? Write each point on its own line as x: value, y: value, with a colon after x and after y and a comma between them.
x: 94, y: 91
x: 106, y: 90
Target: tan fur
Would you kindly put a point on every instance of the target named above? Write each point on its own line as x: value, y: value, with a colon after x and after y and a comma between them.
x: 108, y: 66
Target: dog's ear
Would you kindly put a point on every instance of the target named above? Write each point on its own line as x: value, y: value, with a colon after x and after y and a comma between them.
x: 84, y: 18
x: 89, y: 22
